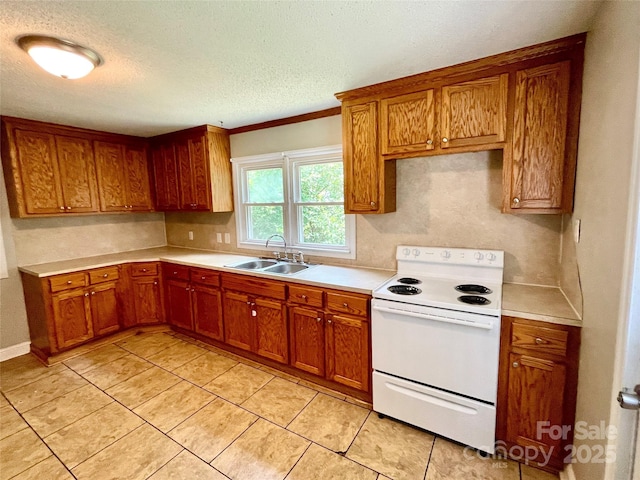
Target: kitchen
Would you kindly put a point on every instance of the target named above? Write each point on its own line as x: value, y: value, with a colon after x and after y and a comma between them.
x: 447, y: 215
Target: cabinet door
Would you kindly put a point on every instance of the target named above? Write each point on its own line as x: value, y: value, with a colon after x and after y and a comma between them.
x: 111, y: 176
x: 475, y: 112
x: 104, y: 308
x: 535, y: 394
x: 271, y: 323
x: 539, y: 136
x: 185, y: 176
x: 39, y: 172
x: 200, y: 178
x: 348, y: 351
x: 207, y: 311
x: 361, y: 159
x: 137, y: 176
x: 77, y: 175
x: 238, y: 322
x: 166, y: 177
x: 307, y: 340
x: 72, y: 318
x: 147, y: 298
x: 179, y: 311
x: 407, y: 123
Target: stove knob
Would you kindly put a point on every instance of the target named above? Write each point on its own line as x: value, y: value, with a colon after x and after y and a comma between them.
x: 478, y: 256
x: 416, y: 252
x: 406, y: 252
x: 491, y: 257
x: 446, y: 254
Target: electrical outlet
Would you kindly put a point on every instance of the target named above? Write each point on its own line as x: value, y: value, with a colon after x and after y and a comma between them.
x: 190, y: 235
x: 219, y: 237
x: 227, y: 238
x: 576, y: 229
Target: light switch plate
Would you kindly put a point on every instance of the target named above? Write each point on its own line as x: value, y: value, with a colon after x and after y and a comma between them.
x: 190, y: 235
x: 227, y: 238
x: 219, y: 237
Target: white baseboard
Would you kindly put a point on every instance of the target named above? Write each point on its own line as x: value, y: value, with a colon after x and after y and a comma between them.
x: 14, y: 351
x: 567, y: 473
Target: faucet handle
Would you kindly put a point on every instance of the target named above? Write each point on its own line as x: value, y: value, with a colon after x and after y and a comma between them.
x: 276, y: 255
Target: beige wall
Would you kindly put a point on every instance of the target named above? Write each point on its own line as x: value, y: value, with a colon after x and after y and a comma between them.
x: 603, y: 180
x: 449, y: 200
x: 40, y: 240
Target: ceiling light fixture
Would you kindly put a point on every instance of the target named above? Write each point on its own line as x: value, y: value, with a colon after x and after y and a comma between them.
x: 60, y: 57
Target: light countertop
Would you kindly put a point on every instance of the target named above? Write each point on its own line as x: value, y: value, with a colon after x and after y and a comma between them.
x: 547, y: 304
x: 354, y: 279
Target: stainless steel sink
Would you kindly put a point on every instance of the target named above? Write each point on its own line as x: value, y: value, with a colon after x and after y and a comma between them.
x: 286, y: 268
x: 254, y: 264
x: 271, y: 266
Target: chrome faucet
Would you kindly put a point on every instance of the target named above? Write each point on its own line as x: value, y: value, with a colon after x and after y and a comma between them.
x: 277, y: 254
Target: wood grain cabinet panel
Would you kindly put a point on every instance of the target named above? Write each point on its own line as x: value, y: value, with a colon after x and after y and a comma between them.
x: 537, y: 163
x: 307, y: 336
x: 123, y: 177
x: 238, y: 328
x: 147, y: 300
x: 474, y: 112
x: 207, y: 311
x: 408, y: 123
x: 105, y: 316
x: 179, y: 310
x: 72, y: 318
x: 348, y: 346
x: 77, y: 174
x: 272, y: 339
x: 537, y: 389
x: 193, y: 170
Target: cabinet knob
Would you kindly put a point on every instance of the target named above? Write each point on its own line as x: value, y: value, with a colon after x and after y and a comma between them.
x: 105, y: 275
x: 203, y: 277
x: 69, y: 282
x: 429, y: 141
x: 539, y: 341
x: 93, y: 293
x: 86, y: 294
x: 516, y: 364
x: 144, y: 269
x: 67, y: 208
x: 373, y: 204
x: 445, y: 139
x: 304, y: 297
x: 345, y: 305
x: 187, y: 289
x: 155, y: 283
x: 193, y: 289
x: 318, y: 319
x: 175, y: 273
x: 248, y: 303
x: 328, y: 321
x: 516, y: 200
x: 61, y: 208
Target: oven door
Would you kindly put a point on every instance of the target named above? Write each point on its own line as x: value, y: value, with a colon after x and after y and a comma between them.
x: 449, y: 350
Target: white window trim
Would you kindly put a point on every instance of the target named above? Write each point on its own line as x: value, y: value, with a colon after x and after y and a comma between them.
x: 289, y: 161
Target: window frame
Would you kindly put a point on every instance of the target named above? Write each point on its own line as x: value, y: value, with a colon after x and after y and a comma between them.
x: 290, y: 162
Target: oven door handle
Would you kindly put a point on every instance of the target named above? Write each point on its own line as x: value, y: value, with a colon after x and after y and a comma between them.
x: 424, y: 316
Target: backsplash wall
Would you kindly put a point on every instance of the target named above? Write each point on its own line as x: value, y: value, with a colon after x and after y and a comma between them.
x: 449, y: 200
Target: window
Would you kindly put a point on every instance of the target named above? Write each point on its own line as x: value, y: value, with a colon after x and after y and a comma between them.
x: 297, y: 194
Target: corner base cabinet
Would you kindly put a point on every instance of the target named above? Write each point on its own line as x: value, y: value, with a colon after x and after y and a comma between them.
x: 537, y: 391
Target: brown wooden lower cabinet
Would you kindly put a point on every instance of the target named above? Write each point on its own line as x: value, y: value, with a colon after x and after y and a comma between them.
x: 537, y: 391
x: 72, y: 318
x: 329, y: 343
x: 255, y: 316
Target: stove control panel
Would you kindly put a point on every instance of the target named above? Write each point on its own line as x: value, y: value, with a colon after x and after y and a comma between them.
x: 456, y: 256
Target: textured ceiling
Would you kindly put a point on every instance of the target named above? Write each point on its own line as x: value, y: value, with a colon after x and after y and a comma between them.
x: 176, y: 64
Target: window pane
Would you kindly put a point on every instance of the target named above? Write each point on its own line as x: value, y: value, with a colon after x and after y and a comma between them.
x: 321, y: 182
x: 323, y: 224
x: 265, y: 185
x: 264, y: 221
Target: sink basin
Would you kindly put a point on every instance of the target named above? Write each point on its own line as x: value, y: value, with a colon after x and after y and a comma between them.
x: 254, y: 264
x: 286, y: 268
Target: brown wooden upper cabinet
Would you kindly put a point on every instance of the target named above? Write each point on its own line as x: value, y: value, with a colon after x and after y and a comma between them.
x: 123, y: 176
x: 193, y: 170
x: 47, y: 173
x: 51, y: 170
x: 525, y: 102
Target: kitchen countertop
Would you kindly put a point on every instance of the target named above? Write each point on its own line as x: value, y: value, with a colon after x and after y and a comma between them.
x: 534, y: 302
x: 353, y: 279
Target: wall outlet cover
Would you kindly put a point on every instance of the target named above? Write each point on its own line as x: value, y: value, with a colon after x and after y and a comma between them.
x: 227, y: 238
x: 190, y: 235
x: 219, y: 237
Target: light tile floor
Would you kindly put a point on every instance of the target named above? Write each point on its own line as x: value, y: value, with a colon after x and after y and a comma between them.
x: 163, y: 406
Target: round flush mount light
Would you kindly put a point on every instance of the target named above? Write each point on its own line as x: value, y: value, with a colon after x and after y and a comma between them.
x: 60, y: 57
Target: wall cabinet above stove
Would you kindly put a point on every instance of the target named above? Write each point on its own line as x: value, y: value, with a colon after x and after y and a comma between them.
x: 525, y: 102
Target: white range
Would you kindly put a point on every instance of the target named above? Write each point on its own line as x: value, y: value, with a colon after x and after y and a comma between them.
x: 435, y: 333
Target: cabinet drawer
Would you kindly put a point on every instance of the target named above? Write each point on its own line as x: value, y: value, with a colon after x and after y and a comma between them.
x: 68, y: 281
x: 254, y: 286
x: 106, y: 274
x: 539, y: 339
x: 306, y: 296
x: 345, y: 303
x: 205, y: 277
x: 176, y: 272
x: 144, y: 269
